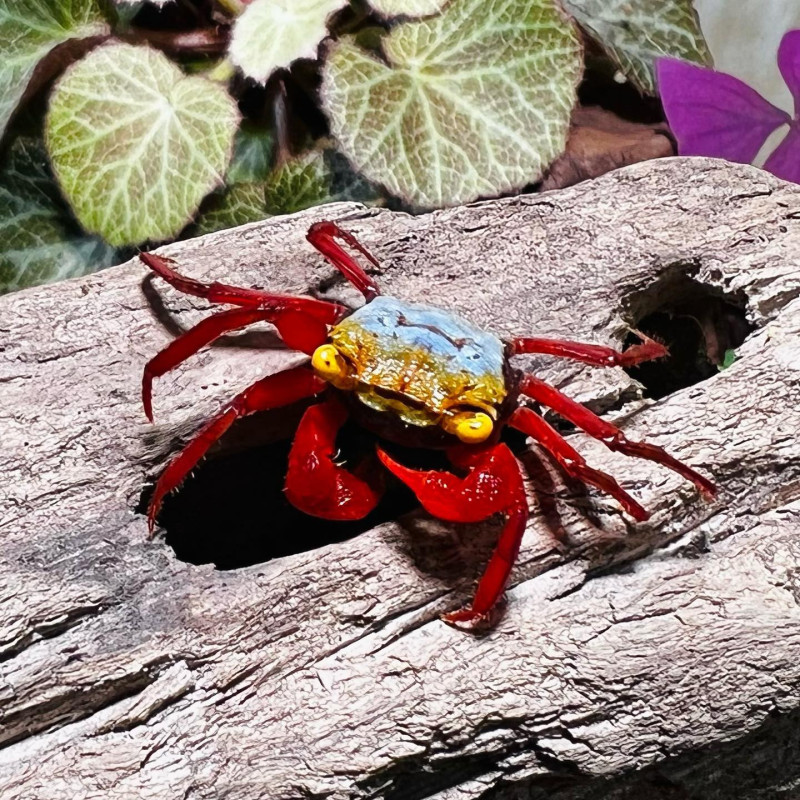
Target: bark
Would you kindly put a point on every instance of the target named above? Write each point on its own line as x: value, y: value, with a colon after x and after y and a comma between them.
x: 659, y: 659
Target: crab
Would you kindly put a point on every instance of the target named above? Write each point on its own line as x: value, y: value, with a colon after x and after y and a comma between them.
x: 411, y: 374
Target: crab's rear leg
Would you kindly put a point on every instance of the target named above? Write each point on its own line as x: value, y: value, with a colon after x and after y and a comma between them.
x: 323, y: 310
x: 611, y: 436
x: 593, y: 354
x: 493, y: 484
x: 299, y: 331
x: 323, y: 236
x: 273, y: 391
x: 315, y: 483
x: 531, y: 424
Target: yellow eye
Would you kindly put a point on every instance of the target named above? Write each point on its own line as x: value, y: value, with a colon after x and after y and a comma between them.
x: 327, y: 363
x: 472, y: 427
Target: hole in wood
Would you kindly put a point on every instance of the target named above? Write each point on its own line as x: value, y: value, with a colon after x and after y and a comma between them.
x: 700, y: 324
x: 232, y: 512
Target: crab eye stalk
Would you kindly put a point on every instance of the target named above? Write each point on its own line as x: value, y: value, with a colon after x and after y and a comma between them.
x: 328, y: 364
x: 472, y: 427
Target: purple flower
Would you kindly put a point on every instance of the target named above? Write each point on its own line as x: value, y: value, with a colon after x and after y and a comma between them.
x: 714, y: 114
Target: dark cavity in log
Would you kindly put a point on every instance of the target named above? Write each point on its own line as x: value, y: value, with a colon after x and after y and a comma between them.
x: 699, y: 323
x: 232, y: 511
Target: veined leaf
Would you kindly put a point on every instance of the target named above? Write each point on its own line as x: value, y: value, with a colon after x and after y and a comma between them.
x: 237, y: 205
x: 29, y: 30
x: 636, y: 32
x: 317, y: 177
x: 40, y: 241
x: 473, y: 102
x: 273, y: 33
x: 320, y: 176
x: 408, y: 8
x: 241, y: 200
x: 135, y: 144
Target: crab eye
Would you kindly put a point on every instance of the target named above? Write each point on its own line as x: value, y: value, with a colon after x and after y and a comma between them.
x: 471, y: 427
x: 327, y: 362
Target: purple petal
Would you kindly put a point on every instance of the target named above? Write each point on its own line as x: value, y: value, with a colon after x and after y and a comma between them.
x: 789, y: 64
x: 714, y: 114
x: 785, y: 160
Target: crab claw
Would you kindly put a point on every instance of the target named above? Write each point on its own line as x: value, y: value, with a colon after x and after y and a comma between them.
x: 493, y: 484
x: 315, y: 483
x: 486, y: 489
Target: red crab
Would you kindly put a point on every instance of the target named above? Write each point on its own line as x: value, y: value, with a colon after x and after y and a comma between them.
x: 412, y: 374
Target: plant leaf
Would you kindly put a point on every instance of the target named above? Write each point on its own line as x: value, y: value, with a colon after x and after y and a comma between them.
x: 635, y: 32
x: 273, y: 33
x: 41, y: 243
x: 252, y: 155
x: 237, y: 205
x: 473, y: 102
x: 317, y: 177
x: 408, y: 8
x: 29, y: 31
x: 714, y: 114
x: 136, y: 144
x: 125, y: 11
x: 728, y: 359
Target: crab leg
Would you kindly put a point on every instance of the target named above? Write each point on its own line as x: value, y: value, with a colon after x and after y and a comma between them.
x: 299, y: 331
x: 315, y: 483
x: 611, y: 436
x: 493, y: 484
x: 323, y: 310
x: 593, y: 354
x: 273, y: 391
x: 530, y: 423
x: 323, y: 236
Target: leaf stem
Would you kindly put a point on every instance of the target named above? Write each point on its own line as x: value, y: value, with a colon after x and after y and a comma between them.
x: 210, y: 41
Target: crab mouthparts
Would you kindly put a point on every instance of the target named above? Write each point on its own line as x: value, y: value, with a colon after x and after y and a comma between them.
x: 470, y: 426
x: 409, y: 409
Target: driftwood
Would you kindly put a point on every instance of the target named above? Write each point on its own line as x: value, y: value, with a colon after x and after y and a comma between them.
x: 654, y: 660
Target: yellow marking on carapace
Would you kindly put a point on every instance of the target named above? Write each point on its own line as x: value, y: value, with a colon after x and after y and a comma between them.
x: 431, y: 382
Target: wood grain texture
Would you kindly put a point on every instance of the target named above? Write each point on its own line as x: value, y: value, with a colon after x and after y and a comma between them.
x: 658, y: 659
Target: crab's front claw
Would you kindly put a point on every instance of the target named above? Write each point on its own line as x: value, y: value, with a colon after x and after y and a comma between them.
x: 315, y: 483
x: 493, y: 484
x: 485, y: 490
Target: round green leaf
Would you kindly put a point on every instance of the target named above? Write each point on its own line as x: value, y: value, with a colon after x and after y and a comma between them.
x: 408, y: 8
x: 29, y: 31
x: 273, y: 33
x: 470, y: 103
x: 135, y: 144
x: 636, y: 32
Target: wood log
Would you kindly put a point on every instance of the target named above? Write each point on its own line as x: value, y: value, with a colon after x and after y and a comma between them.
x: 659, y: 659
